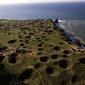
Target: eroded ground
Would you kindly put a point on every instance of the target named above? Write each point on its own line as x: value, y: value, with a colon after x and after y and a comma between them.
x: 32, y: 52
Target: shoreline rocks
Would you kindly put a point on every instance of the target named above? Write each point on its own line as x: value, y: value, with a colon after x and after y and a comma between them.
x: 70, y: 37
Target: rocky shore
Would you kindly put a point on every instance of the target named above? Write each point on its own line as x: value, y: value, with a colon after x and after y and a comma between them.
x: 70, y: 37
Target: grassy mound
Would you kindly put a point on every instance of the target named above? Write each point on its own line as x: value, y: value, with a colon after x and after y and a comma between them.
x: 33, y: 52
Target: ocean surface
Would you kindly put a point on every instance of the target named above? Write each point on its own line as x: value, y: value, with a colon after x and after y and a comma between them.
x: 44, y: 10
x: 75, y: 27
x: 73, y: 14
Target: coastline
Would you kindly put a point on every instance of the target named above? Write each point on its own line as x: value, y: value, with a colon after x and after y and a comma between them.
x: 75, y: 27
x: 71, y: 38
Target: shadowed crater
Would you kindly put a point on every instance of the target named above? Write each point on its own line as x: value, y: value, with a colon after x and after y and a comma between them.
x: 26, y: 41
x: 82, y: 60
x: 21, y: 44
x: 26, y: 74
x: 43, y: 37
x: 63, y: 82
x: 55, y: 62
x: 39, y: 53
x: 74, y: 79
x: 46, y: 39
x: 49, y: 70
x: 50, y: 45
x: 65, y: 56
x: 37, y: 65
x: 2, y: 66
x: 28, y: 36
x: 20, y: 40
x: 43, y: 58
x: 1, y: 58
x: 54, y: 56
x: 6, y: 78
x: 12, y: 41
x: 12, y: 58
x: 21, y: 51
x: 40, y: 45
x: 20, y: 83
x: 63, y: 63
x: 56, y: 48
x: 20, y: 36
x: 60, y: 43
x: 3, y: 48
x: 66, y: 51
x: 40, y: 49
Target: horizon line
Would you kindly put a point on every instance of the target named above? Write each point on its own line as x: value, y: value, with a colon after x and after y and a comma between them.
x: 43, y: 2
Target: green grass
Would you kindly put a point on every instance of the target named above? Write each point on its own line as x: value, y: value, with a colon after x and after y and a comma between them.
x: 37, y: 29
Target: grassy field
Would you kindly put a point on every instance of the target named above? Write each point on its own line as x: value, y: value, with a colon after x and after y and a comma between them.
x: 32, y: 52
